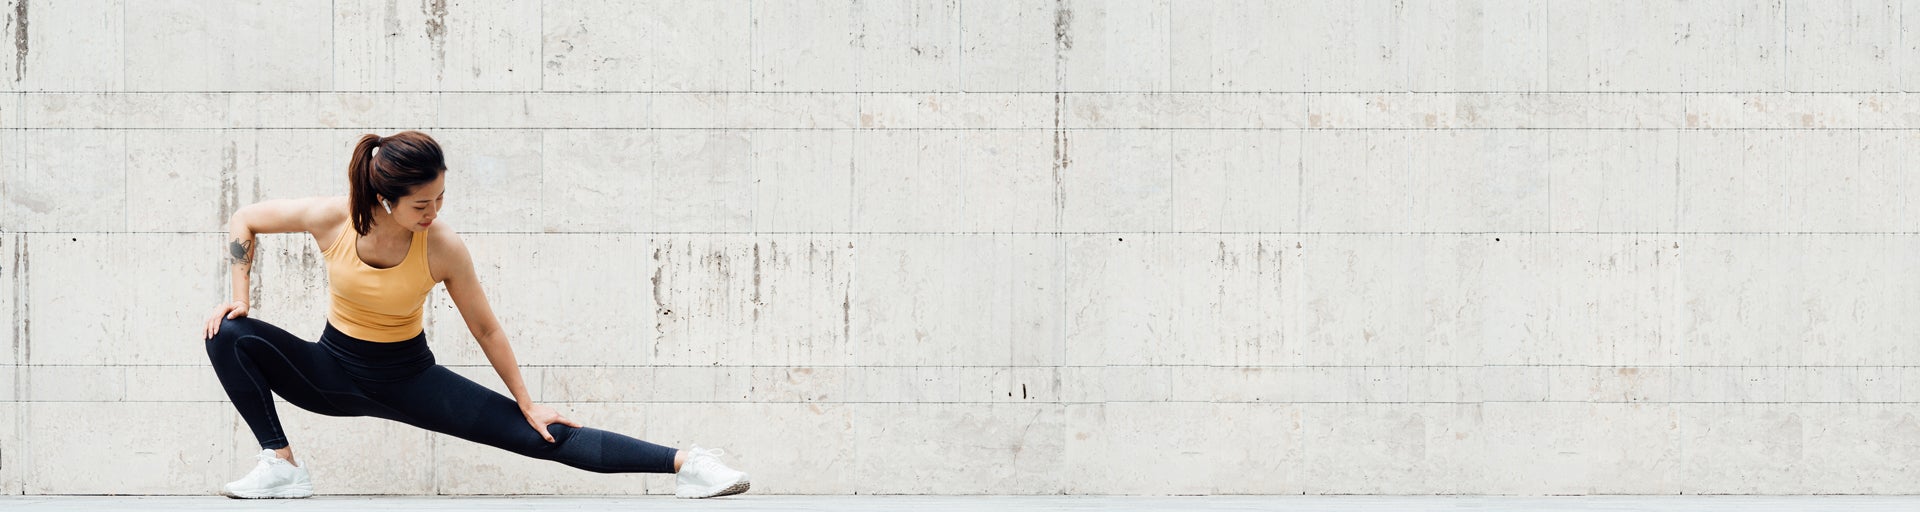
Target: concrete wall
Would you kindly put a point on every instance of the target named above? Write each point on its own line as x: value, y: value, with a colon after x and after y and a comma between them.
x: 1008, y: 246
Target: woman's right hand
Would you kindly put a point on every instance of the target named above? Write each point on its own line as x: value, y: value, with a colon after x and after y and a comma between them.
x: 227, y: 311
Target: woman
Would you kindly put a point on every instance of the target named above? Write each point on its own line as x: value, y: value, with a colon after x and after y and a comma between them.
x: 384, y: 252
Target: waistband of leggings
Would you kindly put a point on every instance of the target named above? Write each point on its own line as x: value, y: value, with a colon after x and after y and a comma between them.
x: 378, y: 361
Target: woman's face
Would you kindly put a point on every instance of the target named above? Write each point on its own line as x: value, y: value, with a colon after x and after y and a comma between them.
x: 416, y: 211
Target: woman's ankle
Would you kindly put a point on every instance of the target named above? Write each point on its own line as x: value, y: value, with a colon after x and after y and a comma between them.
x: 286, y: 454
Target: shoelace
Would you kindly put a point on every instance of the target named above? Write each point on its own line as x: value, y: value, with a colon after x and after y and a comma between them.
x: 707, y: 460
x: 267, y: 458
x: 259, y: 470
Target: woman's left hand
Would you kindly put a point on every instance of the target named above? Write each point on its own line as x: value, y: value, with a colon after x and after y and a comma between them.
x: 540, y: 416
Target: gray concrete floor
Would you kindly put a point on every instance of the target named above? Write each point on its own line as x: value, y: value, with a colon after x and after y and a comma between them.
x: 973, y: 503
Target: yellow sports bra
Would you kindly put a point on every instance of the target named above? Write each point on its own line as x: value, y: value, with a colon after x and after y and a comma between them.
x: 376, y: 304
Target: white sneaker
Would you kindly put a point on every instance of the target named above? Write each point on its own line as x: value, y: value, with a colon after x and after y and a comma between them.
x: 272, y: 478
x: 703, y: 476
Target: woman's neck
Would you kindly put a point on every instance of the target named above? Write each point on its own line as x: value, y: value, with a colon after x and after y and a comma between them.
x: 386, y: 228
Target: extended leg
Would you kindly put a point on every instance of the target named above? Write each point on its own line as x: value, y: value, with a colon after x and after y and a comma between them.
x: 444, y: 402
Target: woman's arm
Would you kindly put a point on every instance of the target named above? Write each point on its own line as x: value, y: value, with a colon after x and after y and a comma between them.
x: 276, y: 216
x: 463, y: 285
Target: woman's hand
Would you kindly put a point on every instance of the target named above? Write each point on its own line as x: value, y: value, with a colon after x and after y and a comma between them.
x: 228, y: 311
x: 540, y: 416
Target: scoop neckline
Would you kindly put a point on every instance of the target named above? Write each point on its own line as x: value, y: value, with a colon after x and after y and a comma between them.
x: 363, y: 263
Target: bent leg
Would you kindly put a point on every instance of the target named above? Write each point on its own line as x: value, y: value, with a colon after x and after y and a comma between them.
x: 445, y: 402
x: 253, y: 357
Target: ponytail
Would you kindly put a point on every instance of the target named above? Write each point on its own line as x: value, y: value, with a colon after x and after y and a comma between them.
x: 406, y: 160
x: 360, y: 189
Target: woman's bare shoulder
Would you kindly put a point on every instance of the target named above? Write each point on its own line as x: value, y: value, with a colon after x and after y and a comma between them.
x: 330, y: 221
x: 445, y: 250
x: 442, y: 231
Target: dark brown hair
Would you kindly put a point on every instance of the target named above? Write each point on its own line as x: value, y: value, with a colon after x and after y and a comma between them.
x: 406, y: 160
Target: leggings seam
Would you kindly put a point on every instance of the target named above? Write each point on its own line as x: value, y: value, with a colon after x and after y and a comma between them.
x: 266, y: 392
x: 295, y: 368
x: 266, y: 395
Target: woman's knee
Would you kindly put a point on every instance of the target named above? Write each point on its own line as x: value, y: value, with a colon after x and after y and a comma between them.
x: 561, y: 433
x: 232, y: 330
x: 527, y: 441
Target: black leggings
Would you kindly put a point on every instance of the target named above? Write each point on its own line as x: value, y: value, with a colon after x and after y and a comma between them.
x: 344, y: 376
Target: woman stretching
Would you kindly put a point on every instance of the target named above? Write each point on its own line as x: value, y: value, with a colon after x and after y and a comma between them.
x: 384, y: 253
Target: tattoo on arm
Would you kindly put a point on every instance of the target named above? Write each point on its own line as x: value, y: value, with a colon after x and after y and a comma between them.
x: 241, y: 251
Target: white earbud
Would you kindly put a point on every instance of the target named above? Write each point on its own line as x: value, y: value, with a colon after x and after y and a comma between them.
x: 389, y: 207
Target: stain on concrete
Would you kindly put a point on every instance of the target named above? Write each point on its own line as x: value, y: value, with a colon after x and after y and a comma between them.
x: 1062, y: 21
x: 255, y: 164
x: 659, y: 302
x: 437, y: 33
x: 254, y: 289
x: 1063, y: 40
x: 22, y: 308
x: 846, y: 307
x: 1090, y: 112
x: 17, y: 302
x: 392, y: 19
x: 34, y: 204
x: 19, y: 21
x: 309, y: 260
x: 1060, y: 159
x: 229, y: 188
x: 1469, y: 115
x: 566, y: 48
x: 756, y: 279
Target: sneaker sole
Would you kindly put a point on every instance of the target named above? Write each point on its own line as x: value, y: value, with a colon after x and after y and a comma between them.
x: 737, y: 488
x: 279, y: 494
